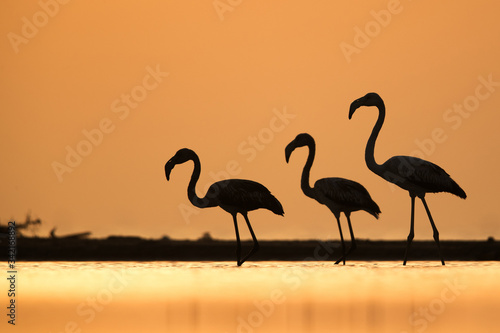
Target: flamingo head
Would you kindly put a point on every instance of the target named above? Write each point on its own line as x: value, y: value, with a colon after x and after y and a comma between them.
x: 370, y: 99
x: 182, y: 155
x: 300, y: 140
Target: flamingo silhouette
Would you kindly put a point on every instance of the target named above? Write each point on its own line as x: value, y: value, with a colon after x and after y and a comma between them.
x: 413, y: 174
x: 338, y: 194
x: 232, y: 195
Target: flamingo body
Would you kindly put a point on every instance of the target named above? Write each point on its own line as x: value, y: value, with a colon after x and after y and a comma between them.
x: 242, y: 196
x: 419, y: 176
x: 344, y: 195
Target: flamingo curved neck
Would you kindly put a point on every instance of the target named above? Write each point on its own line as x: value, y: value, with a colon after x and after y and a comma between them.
x: 370, y: 146
x: 191, y: 190
x: 304, y: 181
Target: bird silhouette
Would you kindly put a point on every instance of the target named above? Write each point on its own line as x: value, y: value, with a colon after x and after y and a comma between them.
x: 338, y: 194
x: 413, y: 174
x: 232, y: 195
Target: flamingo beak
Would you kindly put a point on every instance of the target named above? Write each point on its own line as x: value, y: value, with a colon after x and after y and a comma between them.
x: 288, y: 150
x: 168, y: 168
x: 354, y: 106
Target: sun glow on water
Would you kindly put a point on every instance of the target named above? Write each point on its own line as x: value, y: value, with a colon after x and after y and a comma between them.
x: 259, y: 296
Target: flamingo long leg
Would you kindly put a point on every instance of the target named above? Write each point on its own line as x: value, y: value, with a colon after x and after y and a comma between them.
x: 434, y: 229
x: 238, y: 243
x: 412, y: 224
x: 353, y: 245
x: 342, y: 241
x: 256, y: 246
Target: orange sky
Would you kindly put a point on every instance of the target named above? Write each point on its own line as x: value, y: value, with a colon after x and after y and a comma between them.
x: 145, y: 79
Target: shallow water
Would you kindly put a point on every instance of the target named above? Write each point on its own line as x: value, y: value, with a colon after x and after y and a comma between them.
x: 257, y: 297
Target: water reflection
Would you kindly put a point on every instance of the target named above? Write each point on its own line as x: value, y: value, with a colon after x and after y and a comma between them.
x: 257, y: 297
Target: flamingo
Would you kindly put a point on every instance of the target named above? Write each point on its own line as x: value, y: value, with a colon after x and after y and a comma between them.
x: 232, y: 195
x: 338, y: 194
x: 413, y: 174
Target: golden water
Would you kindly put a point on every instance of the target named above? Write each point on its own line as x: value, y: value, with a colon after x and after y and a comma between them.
x: 56, y: 297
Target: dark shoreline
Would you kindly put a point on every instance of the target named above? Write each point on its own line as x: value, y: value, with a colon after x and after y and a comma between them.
x: 118, y: 248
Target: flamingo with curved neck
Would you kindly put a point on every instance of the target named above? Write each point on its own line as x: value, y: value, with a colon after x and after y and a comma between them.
x: 232, y: 195
x: 338, y: 194
x: 413, y: 174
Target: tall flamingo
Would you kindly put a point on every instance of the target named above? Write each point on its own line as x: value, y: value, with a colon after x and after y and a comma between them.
x: 413, y: 174
x: 232, y: 195
x: 338, y: 194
